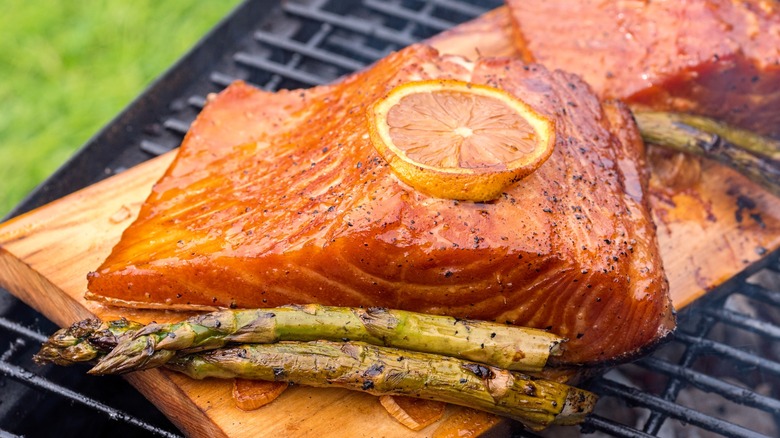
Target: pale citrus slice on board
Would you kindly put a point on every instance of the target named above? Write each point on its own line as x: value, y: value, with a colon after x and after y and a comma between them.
x: 414, y: 413
x: 254, y: 394
x: 456, y: 140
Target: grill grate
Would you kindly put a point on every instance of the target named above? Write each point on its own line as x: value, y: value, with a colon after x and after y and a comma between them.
x: 718, y: 377
x: 724, y: 354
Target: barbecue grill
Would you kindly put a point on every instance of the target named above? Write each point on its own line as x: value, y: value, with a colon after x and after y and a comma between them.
x: 719, y: 376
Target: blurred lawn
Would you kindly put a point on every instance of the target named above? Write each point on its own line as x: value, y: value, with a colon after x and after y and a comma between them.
x: 68, y: 67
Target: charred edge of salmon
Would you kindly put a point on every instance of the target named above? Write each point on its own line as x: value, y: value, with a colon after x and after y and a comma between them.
x: 577, y: 375
x: 664, y: 337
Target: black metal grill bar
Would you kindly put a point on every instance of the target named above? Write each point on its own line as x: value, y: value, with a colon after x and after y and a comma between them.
x: 640, y: 398
x: 290, y: 69
x: 152, y: 148
x: 710, y: 384
x: 723, y: 350
x: 315, y: 40
x: 197, y: 102
x: 421, y: 17
x: 360, y: 50
x: 656, y: 419
x: 673, y: 388
x: 758, y: 293
x: 31, y: 379
x: 281, y: 70
x: 19, y: 329
x: 744, y: 321
x: 180, y: 127
x: 595, y: 422
x: 222, y: 80
x: 309, y: 51
x: 351, y: 24
x: 460, y: 7
x: 273, y: 83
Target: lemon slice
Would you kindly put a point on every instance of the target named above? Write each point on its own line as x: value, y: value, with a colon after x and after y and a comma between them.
x: 456, y: 140
x: 414, y: 413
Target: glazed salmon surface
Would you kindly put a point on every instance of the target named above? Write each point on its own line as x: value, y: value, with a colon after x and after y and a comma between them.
x: 279, y: 198
x: 719, y: 58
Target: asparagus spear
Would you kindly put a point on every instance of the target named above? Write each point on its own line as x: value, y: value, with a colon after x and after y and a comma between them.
x: 746, y: 140
x: 502, y: 345
x: 756, y: 157
x: 382, y: 370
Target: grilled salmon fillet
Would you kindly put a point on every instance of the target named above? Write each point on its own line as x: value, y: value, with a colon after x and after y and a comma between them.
x: 718, y: 58
x: 279, y: 198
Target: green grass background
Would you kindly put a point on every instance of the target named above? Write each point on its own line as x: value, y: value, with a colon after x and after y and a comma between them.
x: 68, y: 67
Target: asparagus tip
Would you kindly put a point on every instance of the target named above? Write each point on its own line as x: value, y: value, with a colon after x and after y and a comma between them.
x: 84, y: 341
x: 69, y: 345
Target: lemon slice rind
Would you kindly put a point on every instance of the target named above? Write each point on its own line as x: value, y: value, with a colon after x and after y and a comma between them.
x: 473, y: 183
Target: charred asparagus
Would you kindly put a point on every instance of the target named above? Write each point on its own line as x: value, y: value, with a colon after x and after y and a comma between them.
x: 383, y: 370
x: 756, y: 157
x: 497, y: 344
x: 501, y: 345
x: 353, y: 365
